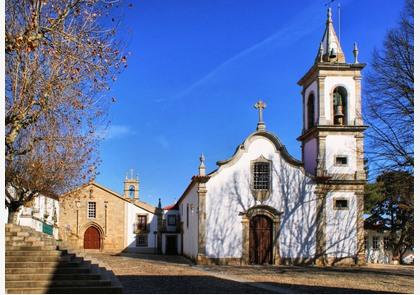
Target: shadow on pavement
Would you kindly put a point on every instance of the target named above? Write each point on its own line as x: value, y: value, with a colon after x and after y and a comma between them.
x: 178, y: 284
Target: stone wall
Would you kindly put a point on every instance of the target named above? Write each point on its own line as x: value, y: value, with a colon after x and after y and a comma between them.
x: 110, y: 218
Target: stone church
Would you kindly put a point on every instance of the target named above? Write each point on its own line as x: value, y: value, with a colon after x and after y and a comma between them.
x: 262, y: 206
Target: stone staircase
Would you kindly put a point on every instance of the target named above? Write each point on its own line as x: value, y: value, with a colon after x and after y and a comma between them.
x: 36, y: 264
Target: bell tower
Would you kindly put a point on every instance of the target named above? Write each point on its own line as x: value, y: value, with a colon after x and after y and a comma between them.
x: 332, y: 133
x: 131, y: 186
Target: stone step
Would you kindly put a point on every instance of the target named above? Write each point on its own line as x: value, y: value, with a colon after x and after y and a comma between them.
x: 31, y: 248
x: 30, y: 244
x: 36, y: 253
x: 48, y: 270
x: 41, y: 264
x: 52, y: 276
x: 65, y: 290
x: 57, y: 283
x: 33, y: 258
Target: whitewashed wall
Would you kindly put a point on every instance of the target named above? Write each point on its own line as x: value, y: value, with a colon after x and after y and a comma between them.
x: 310, y: 155
x: 131, y: 220
x: 190, y: 232
x: 44, y: 209
x: 341, y: 229
x: 331, y: 82
x: 228, y: 194
x: 312, y: 88
x: 340, y: 145
x: 171, y: 228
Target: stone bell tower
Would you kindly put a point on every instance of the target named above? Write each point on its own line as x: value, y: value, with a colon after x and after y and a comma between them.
x: 332, y: 148
x: 332, y: 133
x: 131, y: 186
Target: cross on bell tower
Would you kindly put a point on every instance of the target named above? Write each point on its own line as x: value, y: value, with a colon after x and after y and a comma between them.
x: 260, y: 106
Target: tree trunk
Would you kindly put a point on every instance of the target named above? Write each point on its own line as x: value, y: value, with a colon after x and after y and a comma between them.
x: 13, y: 216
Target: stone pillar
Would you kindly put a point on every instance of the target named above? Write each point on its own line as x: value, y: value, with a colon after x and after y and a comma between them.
x: 320, y: 256
x: 320, y: 167
x: 358, y: 100
x: 321, y: 101
x: 361, y: 258
x: 202, y: 220
x: 276, y: 230
x: 159, y: 213
x: 245, y: 240
x: 360, y: 165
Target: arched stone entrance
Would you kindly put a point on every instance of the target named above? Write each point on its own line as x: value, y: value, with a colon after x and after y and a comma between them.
x: 92, y: 238
x: 260, y: 230
x: 261, y: 240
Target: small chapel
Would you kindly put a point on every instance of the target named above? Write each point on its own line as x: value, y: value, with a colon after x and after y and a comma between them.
x: 262, y: 206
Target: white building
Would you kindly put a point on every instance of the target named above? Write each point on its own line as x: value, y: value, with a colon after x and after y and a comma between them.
x: 41, y: 214
x: 263, y: 206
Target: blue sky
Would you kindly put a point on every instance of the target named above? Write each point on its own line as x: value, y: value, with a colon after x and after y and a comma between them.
x: 195, y: 70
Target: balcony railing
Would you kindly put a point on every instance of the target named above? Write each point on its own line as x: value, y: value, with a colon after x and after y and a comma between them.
x: 140, y: 229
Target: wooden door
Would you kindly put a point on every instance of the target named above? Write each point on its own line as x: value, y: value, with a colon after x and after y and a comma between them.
x: 261, y: 240
x: 92, y: 239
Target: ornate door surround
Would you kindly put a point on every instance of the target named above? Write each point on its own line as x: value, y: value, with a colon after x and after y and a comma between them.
x: 272, y: 214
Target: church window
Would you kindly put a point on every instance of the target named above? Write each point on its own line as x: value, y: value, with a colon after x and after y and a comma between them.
x: 341, y: 204
x: 375, y: 243
x: 261, y: 174
x: 131, y: 191
x: 341, y: 161
x: 340, y: 105
x: 310, y: 111
x: 91, y: 209
x: 141, y: 241
x: 171, y: 219
x: 142, y: 223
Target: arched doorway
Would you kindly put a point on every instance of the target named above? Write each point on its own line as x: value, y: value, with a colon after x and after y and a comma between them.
x: 92, y: 238
x: 261, y: 240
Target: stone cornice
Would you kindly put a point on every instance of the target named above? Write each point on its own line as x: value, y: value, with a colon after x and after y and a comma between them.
x: 329, y: 66
x: 244, y: 147
x: 319, y: 128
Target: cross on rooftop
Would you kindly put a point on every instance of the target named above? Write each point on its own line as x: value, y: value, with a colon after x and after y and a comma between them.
x: 260, y: 106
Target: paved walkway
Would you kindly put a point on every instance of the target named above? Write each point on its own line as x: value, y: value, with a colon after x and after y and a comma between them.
x: 141, y: 273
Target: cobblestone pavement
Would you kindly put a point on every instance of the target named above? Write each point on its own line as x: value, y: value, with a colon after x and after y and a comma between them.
x: 169, y: 274
x: 141, y: 273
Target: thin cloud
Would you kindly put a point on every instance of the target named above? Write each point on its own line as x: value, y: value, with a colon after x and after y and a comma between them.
x: 302, y: 24
x: 116, y: 131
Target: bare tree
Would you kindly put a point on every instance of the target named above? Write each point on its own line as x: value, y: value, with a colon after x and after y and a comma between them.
x: 390, y: 99
x: 61, y: 57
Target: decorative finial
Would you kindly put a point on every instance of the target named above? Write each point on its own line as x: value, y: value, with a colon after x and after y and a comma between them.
x: 137, y: 177
x: 355, y: 53
x: 321, y: 52
x: 159, y: 204
x: 329, y: 15
x: 202, y: 167
x: 260, y: 106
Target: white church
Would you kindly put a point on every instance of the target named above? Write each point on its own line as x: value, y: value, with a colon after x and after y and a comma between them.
x: 262, y: 206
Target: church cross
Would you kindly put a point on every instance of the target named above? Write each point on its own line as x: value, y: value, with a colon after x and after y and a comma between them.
x: 260, y: 106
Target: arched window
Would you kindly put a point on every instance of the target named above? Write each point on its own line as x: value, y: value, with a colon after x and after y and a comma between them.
x: 340, y: 105
x: 310, y: 111
x: 131, y: 191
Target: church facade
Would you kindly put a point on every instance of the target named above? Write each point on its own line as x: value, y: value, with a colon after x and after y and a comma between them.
x: 262, y: 206
x: 95, y: 218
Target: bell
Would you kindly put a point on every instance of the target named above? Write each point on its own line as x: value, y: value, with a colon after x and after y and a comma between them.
x: 339, y: 116
x: 333, y: 53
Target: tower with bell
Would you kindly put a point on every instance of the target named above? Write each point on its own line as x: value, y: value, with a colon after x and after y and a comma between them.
x: 131, y: 186
x: 332, y: 142
x: 332, y: 133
